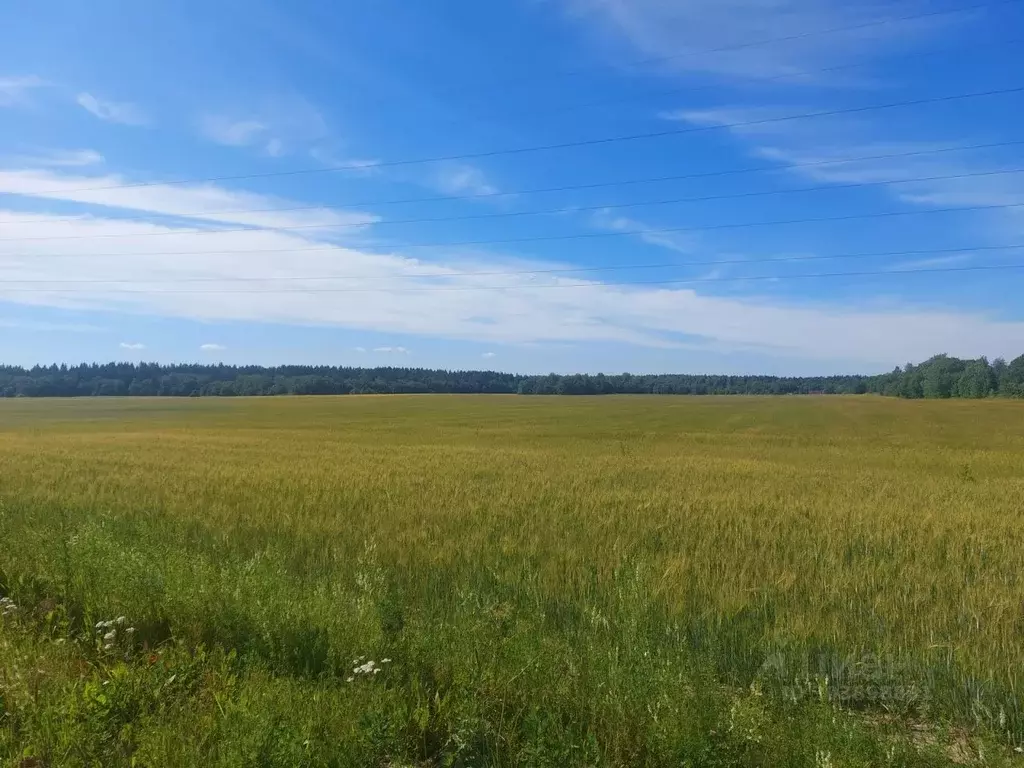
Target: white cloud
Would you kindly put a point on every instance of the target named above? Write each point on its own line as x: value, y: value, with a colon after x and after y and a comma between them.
x: 680, y: 242
x: 463, y: 179
x: 212, y: 347
x: 353, y: 165
x: 359, y: 349
x: 826, y: 151
x: 274, y: 148
x: 131, y: 345
x: 15, y: 90
x: 232, y: 133
x: 33, y: 325
x: 430, y: 296
x: 978, y: 185
x: 762, y: 121
x: 58, y: 158
x: 278, y: 126
x: 207, y: 202
x: 686, y: 32
x: 392, y: 350
x: 936, y: 261
x: 112, y: 111
x: 488, y: 355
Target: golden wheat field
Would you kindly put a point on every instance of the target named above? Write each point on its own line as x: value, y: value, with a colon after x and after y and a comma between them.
x: 552, y: 581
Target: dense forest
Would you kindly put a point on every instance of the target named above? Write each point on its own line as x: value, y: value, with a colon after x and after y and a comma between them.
x: 940, y: 377
x: 943, y: 376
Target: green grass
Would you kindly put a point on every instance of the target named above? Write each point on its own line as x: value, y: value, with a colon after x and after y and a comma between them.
x: 557, y: 582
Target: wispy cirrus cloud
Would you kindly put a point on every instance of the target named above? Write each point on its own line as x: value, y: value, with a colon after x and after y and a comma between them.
x: 15, y: 90
x: 331, y: 158
x: 463, y: 179
x: 686, y: 243
x: 204, y: 202
x: 689, y: 36
x: 278, y: 125
x: 233, y: 133
x: 830, y: 151
x: 36, y: 325
x: 273, y: 276
x: 680, y: 242
x: 121, y: 112
x: 56, y: 158
x: 212, y: 348
x: 132, y: 345
x: 936, y: 261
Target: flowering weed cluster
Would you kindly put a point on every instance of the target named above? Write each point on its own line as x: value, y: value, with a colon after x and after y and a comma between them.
x: 113, y: 631
x: 7, y: 607
x: 367, y: 668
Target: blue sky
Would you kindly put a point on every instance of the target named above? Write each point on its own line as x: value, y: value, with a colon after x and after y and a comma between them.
x: 339, y: 267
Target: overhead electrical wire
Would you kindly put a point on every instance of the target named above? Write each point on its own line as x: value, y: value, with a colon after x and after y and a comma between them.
x: 522, y: 272
x: 585, y: 143
x: 546, y: 238
x: 505, y: 288
x: 788, y: 75
x: 345, y: 207
x: 515, y: 151
x: 514, y: 214
x: 860, y: 26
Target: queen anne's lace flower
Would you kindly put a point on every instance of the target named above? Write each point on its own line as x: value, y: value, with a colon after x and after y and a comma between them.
x: 7, y: 607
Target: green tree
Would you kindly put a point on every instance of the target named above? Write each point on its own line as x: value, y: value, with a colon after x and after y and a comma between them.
x: 1014, y: 378
x: 976, y: 380
x: 940, y: 375
x: 911, y: 383
x: 999, y: 376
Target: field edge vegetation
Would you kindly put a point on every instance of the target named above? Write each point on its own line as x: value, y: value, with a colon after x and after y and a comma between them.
x: 940, y: 377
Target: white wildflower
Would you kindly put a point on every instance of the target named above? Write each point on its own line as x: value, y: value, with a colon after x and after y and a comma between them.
x: 130, y: 631
x: 120, y: 620
x: 110, y: 637
x: 349, y: 679
x: 385, y: 661
x: 369, y: 668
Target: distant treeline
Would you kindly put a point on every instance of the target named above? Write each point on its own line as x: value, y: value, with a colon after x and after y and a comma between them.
x: 940, y: 377
x: 945, y: 376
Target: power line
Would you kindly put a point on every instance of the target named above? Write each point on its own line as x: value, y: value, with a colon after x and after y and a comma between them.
x: 541, y: 212
x: 556, y: 146
x: 788, y: 75
x: 540, y: 190
x: 560, y: 238
x: 522, y: 272
x: 772, y: 278
x: 766, y: 41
